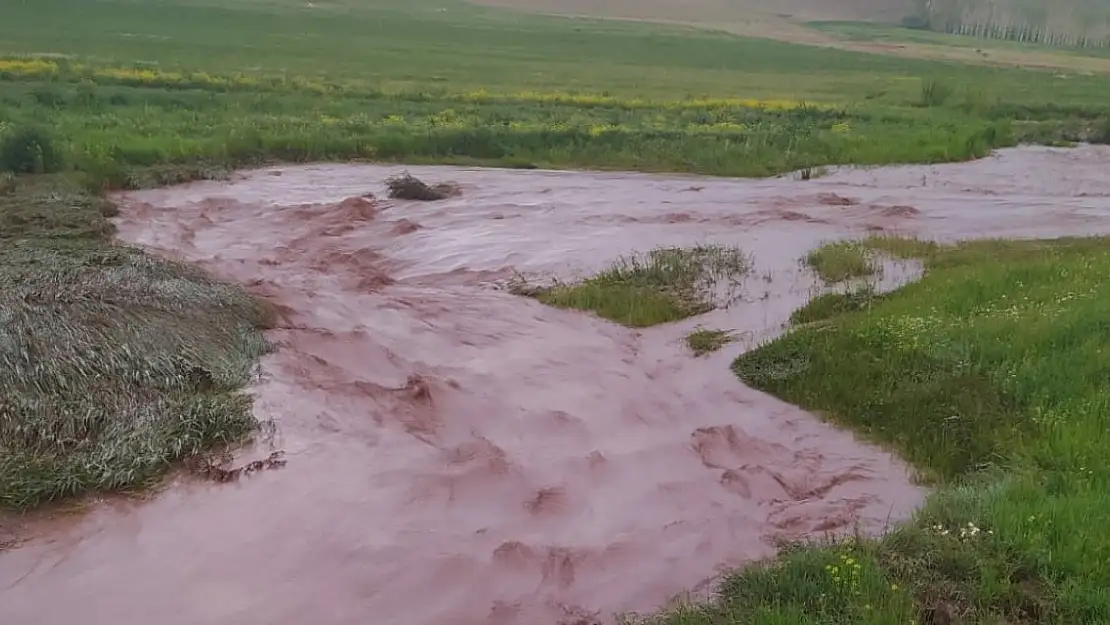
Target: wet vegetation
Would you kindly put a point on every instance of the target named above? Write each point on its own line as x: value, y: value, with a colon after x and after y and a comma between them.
x: 828, y: 305
x: 113, y: 364
x: 663, y: 285
x: 837, y: 262
x: 704, y: 341
x: 990, y: 375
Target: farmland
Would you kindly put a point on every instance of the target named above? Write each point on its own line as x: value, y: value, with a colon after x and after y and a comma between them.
x: 145, y: 356
x: 151, y: 84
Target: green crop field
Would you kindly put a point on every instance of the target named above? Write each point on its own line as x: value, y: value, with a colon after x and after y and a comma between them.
x: 128, y: 85
x: 98, y: 95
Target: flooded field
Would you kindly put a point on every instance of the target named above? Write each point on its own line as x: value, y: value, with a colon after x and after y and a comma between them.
x: 459, y: 454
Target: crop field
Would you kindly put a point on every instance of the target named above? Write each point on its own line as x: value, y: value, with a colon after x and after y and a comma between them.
x: 124, y: 94
x: 207, y: 86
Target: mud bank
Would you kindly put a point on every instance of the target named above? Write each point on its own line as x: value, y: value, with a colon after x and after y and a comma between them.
x: 457, y: 454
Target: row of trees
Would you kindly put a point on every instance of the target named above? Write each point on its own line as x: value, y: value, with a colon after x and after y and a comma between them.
x: 1065, y: 23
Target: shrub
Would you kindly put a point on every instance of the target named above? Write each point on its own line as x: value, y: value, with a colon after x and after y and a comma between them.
x: 29, y: 150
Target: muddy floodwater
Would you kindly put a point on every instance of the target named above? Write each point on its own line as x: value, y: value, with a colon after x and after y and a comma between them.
x: 457, y: 454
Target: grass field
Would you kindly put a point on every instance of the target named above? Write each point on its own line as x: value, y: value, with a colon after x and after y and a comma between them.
x: 135, y: 85
x: 997, y: 398
x: 991, y: 375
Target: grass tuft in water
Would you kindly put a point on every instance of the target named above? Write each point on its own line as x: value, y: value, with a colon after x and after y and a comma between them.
x: 704, y: 341
x: 837, y: 262
x: 666, y: 284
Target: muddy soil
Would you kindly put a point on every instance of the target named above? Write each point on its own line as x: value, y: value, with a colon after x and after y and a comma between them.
x: 457, y: 454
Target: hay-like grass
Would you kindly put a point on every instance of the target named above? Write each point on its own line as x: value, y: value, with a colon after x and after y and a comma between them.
x: 113, y: 364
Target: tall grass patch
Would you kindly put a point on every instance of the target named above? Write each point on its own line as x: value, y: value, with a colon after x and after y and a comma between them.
x: 837, y: 262
x: 663, y: 285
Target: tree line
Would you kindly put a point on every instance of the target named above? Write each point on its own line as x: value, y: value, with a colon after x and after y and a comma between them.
x: 1063, y: 23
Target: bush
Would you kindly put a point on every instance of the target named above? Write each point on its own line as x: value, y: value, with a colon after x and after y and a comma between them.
x: 29, y: 150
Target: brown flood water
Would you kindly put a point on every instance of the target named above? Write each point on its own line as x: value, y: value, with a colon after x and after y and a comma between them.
x: 460, y: 455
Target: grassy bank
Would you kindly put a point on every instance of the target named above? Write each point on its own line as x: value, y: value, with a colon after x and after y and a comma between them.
x: 990, y: 375
x: 113, y: 364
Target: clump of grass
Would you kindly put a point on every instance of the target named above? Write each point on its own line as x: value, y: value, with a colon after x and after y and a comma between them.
x: 705, y: 341
x: 837, y: 262
x: 113, y: 364
x: 829, y: 305
x: 664, y: 285
x: 990, y: 376
x: 29, y: 150
x: 408, y: 187
x: 934, y: 92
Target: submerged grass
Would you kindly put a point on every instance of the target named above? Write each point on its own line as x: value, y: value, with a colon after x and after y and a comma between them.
x: 991, y: 375
x: 666, y: 284
x: 113, y: 364
x: 837, y: 262
x: 705, y: 341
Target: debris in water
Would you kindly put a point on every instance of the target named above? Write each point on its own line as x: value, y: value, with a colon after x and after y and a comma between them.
x: 408, y: 187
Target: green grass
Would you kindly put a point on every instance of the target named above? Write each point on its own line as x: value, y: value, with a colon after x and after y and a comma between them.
x: 992, y: 376
x: 837, y: 262
x: 195, y: 88
x: 661, y: 286
x: 705, y: 341
x: 450, y: 43
x: 829, y: 305
x: 113, y: 364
